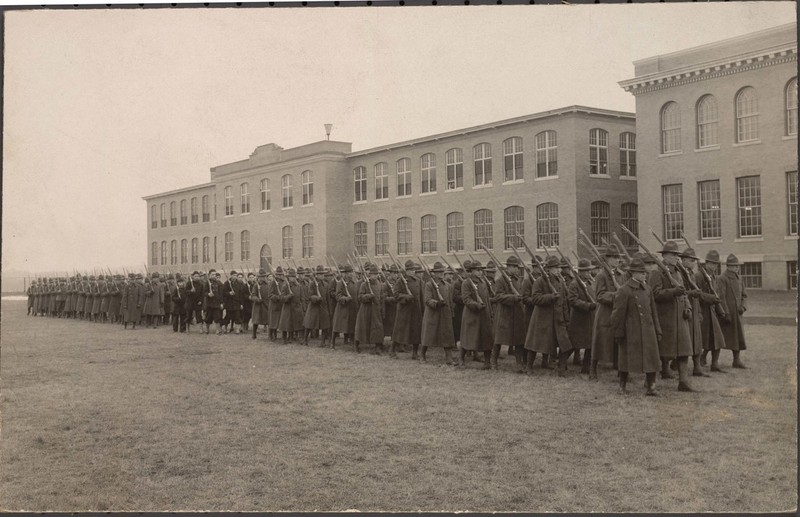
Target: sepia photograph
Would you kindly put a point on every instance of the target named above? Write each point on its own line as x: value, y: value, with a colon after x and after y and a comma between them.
x: 400, y: 258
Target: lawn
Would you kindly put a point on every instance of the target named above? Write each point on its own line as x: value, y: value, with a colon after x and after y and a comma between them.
x: 95, y: 417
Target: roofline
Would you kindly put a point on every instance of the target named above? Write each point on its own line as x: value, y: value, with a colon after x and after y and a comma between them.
x: 493, y: 125
x: 179, y: 191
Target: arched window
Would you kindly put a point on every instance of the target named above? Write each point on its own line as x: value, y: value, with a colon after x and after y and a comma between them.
x: 173, y: 214
x: 307, y: 180
x: 153, y: 217
x: 206, y: 211
x: 454, y: 164
x: 546, y: 154
x: 482, y: 156
x: 381, y: 181
x: 163, y: 253
x: 428, y: 234
x: 154, y: 253
x: 404, y: 236
x: 360, y: 237
x: 286, y: 191
x: 308, y: 240
x: 244, y: 196
x: 629, y: 216
x: 244, y: 239
x: 599, y: 217
x: 163, y: 215
x: 286, y: 242
x: 547, y: 225
x: 265, y: 195
x: 403, y: 177
x: 228, y: 192
x: 360, y: 183
x: 598, y: 151
x: 746, y: 115
x: 184, y: 251
x: 381, y: 237
x: 184, y: 217
x: 195, y: 251
x: 627, y: 154
x: 206, y: 251
x: 228, y: 246
x: 173, y: 252
x: 193, y: 205
x: 455, y: 232
x: 427, y: 167
x: 670, y: 128
x: 707, y: 122
x: 483, y: 229
x: 791, y: 107
x: 512, y: 158
x: 514, y: 219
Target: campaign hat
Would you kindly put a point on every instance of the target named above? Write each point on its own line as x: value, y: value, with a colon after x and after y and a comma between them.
x: 732, y: 260
x: 670, y: 247
x: 637, y: 266
x: 712, y: 256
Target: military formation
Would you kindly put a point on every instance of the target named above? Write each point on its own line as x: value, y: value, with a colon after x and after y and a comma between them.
x: 640, y: 313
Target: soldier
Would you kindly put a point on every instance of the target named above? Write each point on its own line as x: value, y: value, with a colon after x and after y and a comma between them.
x: 232, y: 317
x: 344, y: 320
x: 291, y: 318
x: 177, y: 294
x: 259, y: 296
x: 212, y: 301
x: 408, y: 319
x: 132, y: 301
x: 194, y: 301
x: 674, y: 315
x: 389, y: 301
x: 276, y: 291
x: 369, y: 319
x: 458, y: 304
x: 733, y: 302
x: 711, y: 310
x: 634, y: 318
x: 437, y: 321
x: 581, y: 316
x: 105, y: 298
x: 114, y: 299
x: 476, y: 322
x: 603, y: 347
x: 547, y: 331
x: 688, y: 260
x: 317, y: 317
x: 509, y: 319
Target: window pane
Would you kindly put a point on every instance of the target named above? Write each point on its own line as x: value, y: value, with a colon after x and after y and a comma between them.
x: 672, y: 196
x: 547, y: 225
x: 670, y: 128
x: 749, y: 198
x: 791, y: 190
x: 750, y: 274
x: 710, y: 218
x: 514, y: 218
x: 483, y: 229
x: 455, y: 232
x: 630, y: 218
x: 600, y: 222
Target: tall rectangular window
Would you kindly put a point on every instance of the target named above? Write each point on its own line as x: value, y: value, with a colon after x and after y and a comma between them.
x: 265, y: 203
x: 455, y: 232
x: 514, y: 218
x: 163, y: 253
x: 287, y: 242
x: 194, y: 210
x: 286, y: 191
x: 598, y: 151
x: 153, y: 217
x: 707, y: 122
x: 195, y: 251
x: 483, y: 229
x: 228, y: 201
x: 750, y: 273
x: 599, y: 220
x: 381, y: 181
x: 206, y: 250
x: 173, y: 216
x: 184, y: 217
x: 403, y: 177
x: 429, y: 234
x: 670, y: 128
x: 746, y: 115
x: 206, y: 212
x: 163, y: 215
x: 748, y: 194
x: 672, y: 203
x: 546, y: 225
x: 360, y: 184
x: 308, y: 240
x: 791, y: 191
x: 454, y: 164
x: 360, y: 237
x: 173, y: 252
x: 627, y: 155
x: 546, y: 154
x: 404, y: 236
x: 709, y: 204
x: 427, y: 165
x: 791, y: 107
x: 244, y: 195
x: 482, y: 154
x: 512, y: 159
x: 228, y: 246
x: 307, y: 180
x: 184, y: 251
x: 244, y: 241
x: 381, y: 237
x: 791, y: 273
x: 629, y: 216
x: 154, y: 254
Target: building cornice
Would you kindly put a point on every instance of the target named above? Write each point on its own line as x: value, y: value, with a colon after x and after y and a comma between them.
x: 179, y: 191
x: 711, y: 70
x: 296, y: 163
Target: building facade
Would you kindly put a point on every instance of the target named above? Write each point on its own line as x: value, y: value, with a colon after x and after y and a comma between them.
x: 717, y: 137
x: 541, y: 176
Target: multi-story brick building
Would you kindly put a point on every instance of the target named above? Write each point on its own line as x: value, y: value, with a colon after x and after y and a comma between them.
x: 717, y: 136
x: 542, y: 175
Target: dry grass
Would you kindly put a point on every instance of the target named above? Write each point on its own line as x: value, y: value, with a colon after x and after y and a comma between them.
x: 97, y: 418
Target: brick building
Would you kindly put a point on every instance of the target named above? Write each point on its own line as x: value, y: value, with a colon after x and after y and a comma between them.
x: 717, y: 136
x: 542, y: 175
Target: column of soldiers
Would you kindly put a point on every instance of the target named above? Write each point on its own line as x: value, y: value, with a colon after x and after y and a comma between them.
x: 639, y: 313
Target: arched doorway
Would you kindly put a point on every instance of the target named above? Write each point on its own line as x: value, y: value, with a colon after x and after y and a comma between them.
x: 266, y: 257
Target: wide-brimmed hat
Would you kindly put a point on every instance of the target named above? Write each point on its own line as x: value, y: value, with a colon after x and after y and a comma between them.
x: 278, y: 270
x: 732, y: 260
x: 393, y: 268
x: 291, y: 272
x: 612, y: 250
x: 670, y: 247
x: 689, y: 253
x: 347, y: 268
x: 261, y: 272
x: 490, y: 266
x: 438, y: 267
x: 595, y: 263
x: 552, y: 261
x: 373, y: 269
x: 212, y: 271
x: 585, y: 265
x: 637, y: 266
x: 648, y: 259
x: 564, y: 264
x: 512, y: 261
x: 409, y: 265
x: 320, y: 270
x: 470, y: 265
x: 712, y: 256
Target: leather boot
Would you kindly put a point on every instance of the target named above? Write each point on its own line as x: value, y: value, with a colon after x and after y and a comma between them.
x: 546, y: 362
x: 493, y: 357
x: 254, y: 330
x: 448, y: 357
x: 737, y: 361
x: 414, y: 350
x: 393, y: 351
x: 358, y: 348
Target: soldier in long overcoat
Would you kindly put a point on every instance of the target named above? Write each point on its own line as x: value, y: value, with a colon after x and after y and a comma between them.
x: 231, y: 299
x: 634, y: 318
x: 581, y: 316
x: 291, y: 319
x: 547, y: 332
x: 344, y: 319
x: 114, y: 298
x: 711, y: 309
x: 212, y: 301
x: 733, y: 299
x: 509, y: 317
x: 674, y: 315
x: 408, y: 318
x: 689, y: 261
x: 458, y: 304
x: 177, y: 292
x: 277, y: 286
x: 133, y: 300
x: 476, y: 321
x: 259, y: 297
x: 603, y: 347
x: 317, y: 317
x: 437, y: 321
x: 369, y: 320
x: 389, y: 301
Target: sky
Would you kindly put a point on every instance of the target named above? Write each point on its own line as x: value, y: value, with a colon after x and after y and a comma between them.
x: 102, y: 107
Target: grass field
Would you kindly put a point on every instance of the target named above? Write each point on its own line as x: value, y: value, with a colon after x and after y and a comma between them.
x: 98, y: 418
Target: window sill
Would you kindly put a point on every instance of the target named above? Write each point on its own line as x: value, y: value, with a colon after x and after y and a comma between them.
x: 709, y: 241
x: 423, y: 194
x: 429, y: 254
x: 671, y: 153
x: 287, y: 207
x: 381, y: 200
x: 265, y: 211
x: 545, y: 178
x: 745, y: 144
x: 405, y: 197
x: 226, y: 216
x: 483, y: 185
x: 308, y: 204
x: 706, y: 149
x: 790, y: 238
x: 600, y: 176
x: 458, y: 189
x: 360, y: 202
x: 790, y: 137
x: 628, y: 178
x: 749, y: 239
x: 513, y: 182
x: 244, y: 213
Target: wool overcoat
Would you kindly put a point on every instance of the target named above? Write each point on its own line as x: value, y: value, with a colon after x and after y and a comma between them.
x: 212, y: 302
x: 476, y: 322
x: 347, y: 305
x: 369, y: 319
x: 733, y: 300
x: 437, y: 321
x: 547, y: 331
x: 276, y: 289
x: 458, y: 307
x: 603, y: 333
x: 509, y: 318
x: 634, y: 319
x: 710, y: 328
x: 259, y: 299
x: 674, y: 314
x: 408, y: 314
x: 291, y: 319
x: 317, y: 315
x: 132, y: 302
x: 581, y: 316
x: 389, y: 307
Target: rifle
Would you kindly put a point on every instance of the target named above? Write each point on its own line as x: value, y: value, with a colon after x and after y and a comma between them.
x: 502, y: 271
x: 621, y: 246
x: 313, y: 277
x: 364, y: 273
x: 524, y: 265
x: 383, y: 276
x: 477, y: 296
x: 705, y: 274
x: 679, y: 265
x: 272, y: 271
x: 660, y: 264
x: 402, y: 275
x: 577, y: 276
x: 433, y: 280
x: 538, y: 264
x: 451, y: 267
x: 588, y: 245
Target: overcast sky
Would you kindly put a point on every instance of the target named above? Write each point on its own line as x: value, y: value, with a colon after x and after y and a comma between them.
x: 104, y: 107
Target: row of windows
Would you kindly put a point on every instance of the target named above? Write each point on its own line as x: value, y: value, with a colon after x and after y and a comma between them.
x: 707, y: 117
x: 748, y: 200
x: 546, y: 149
x: 184, y: 252
x: 173, y: 215
x: 751, y: 275
x: 287, y: 194
x: 547, y: 234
